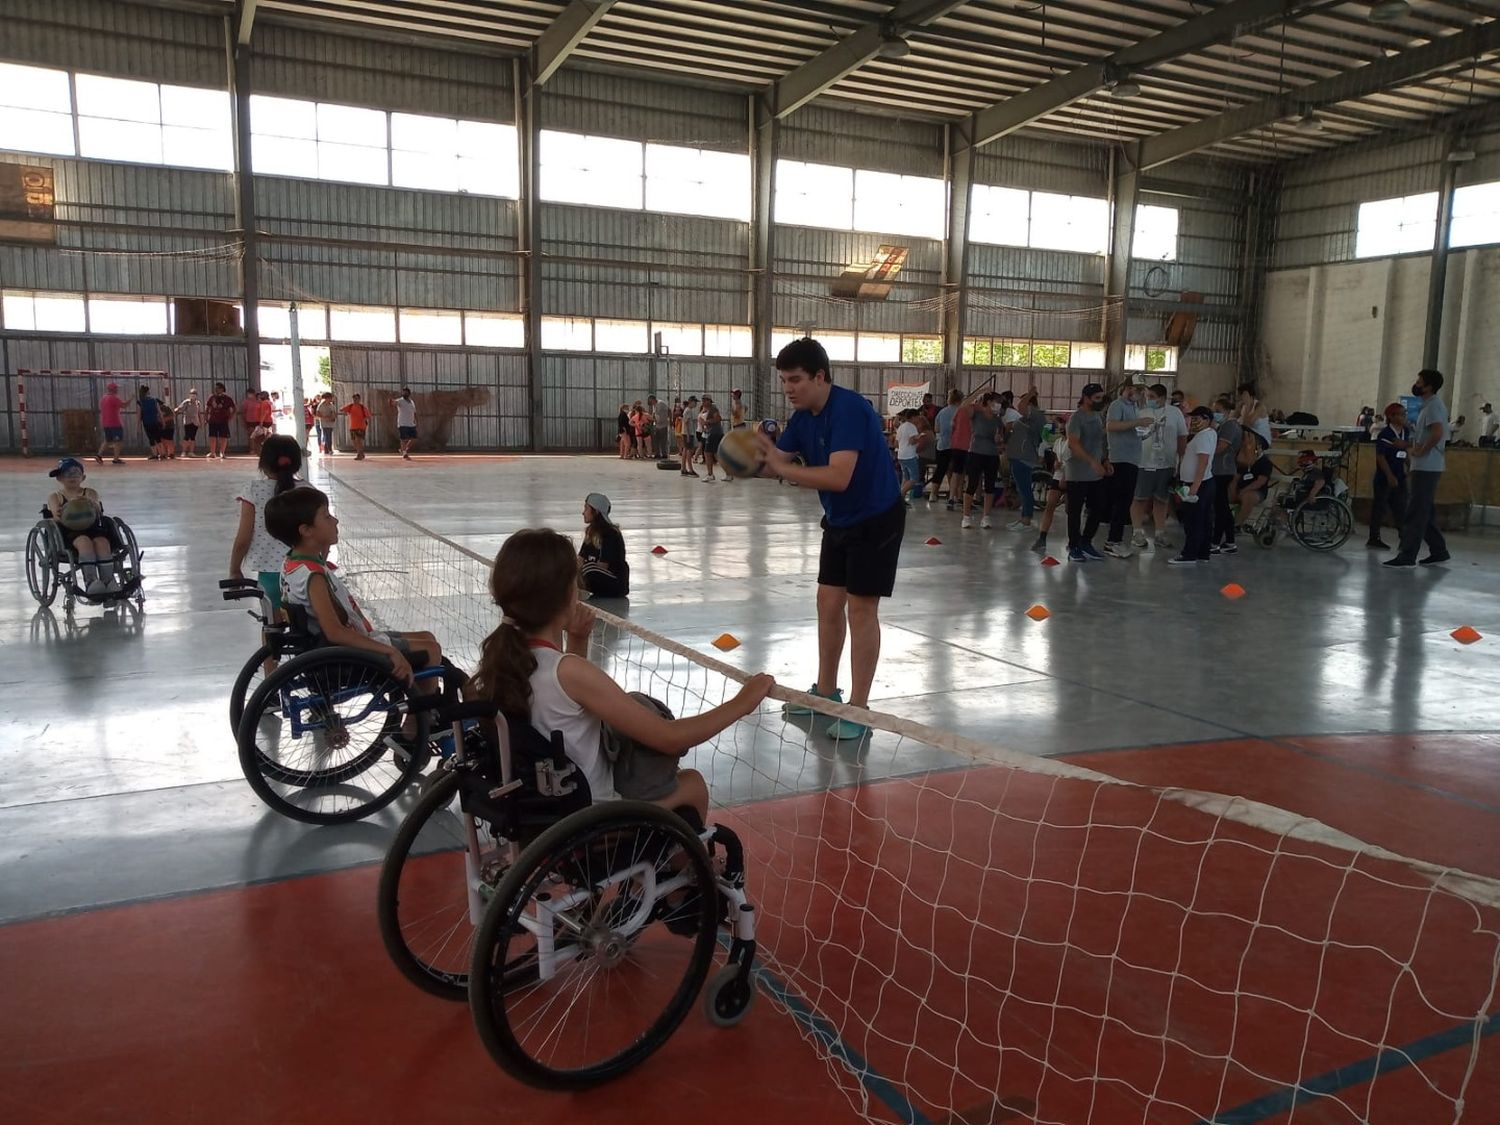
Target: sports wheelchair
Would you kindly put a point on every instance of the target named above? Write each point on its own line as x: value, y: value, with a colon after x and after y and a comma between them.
x: 506, y: 885
x: 328, y: 734
x: 1322, y: 523
x: 52, y: 565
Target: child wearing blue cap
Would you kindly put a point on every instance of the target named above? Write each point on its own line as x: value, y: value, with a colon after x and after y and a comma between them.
x: 79, y: 513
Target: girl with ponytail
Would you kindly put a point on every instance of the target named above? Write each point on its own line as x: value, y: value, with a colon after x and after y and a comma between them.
x: 535, y: 665
x: 280, y: 462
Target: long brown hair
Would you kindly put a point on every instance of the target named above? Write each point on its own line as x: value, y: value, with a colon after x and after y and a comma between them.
x: 532, y: 582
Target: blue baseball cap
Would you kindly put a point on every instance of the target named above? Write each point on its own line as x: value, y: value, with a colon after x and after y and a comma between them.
x: 66, y: 465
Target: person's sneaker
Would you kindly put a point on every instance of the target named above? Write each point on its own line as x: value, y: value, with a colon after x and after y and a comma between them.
x: 1163, y: 541
x: 357, y: 457
x: 1230, y: 548
x: 1138, y: 541
x: 1091, y: 553
x: 1075, y: 555
x: 1377, y: 545
x: 1181, y: 560
x: 99, y: 459
x: 1433, y: 560
x: 1117, y: 550
x: 116, y: 461
x: 1215, y: 549
x: 1018, y: 525
x: 406, y: 456
x: 1398, y: 561
x: 985, y: 523
x: 96, y: 587
x: 967, y: 523
x: 113, y: 585
x: 952, y: 507
x: 796, y: 709
x: 846, y: 730
x: 1040, y: 546
x: 710, y: 479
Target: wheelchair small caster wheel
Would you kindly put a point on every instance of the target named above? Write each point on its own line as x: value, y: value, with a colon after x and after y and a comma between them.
x: 729, y: 996
x: 1267, y: 538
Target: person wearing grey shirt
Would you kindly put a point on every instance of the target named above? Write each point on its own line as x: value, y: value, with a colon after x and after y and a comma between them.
x: 1427, y: 464
x: 983, y: 461
x: 1087, y: 468
x: 1023, y: 448
x: 1224, y: 469
x: 1125, y: 459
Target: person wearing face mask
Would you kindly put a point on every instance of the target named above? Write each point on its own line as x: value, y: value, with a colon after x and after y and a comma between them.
x: 1230, y: 435
x: 1120, y: 424
x: 1088, y: 466
x: 1427, y: 464
x: 406, y: 422
x: 1163, y: 439
x: 1196, y: 471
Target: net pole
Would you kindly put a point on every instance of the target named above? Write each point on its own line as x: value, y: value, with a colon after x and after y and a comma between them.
x: 298, y: 410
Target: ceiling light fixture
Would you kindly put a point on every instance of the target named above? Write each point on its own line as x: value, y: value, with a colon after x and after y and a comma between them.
x: 1388, y: 11
x: 1309, y: 122
x: 1462, y: 152
x: 893, y: 46
x: 1124, y: 88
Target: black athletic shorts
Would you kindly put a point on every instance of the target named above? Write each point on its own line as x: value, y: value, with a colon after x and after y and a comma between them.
x: 958, y: 460
x: 189, y: 432
x: 713, y: 444
x: 983, y: 467
x: 154, y: 432
x: 862, y: 559
x: 218, y: 429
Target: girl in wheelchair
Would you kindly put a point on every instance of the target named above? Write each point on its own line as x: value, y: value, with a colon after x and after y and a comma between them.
x: 535, y: 665
x: 92, y: 539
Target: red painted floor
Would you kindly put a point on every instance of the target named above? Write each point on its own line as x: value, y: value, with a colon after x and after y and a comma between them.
x: 1090, y: 949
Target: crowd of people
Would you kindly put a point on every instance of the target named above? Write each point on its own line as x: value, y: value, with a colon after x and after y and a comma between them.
x: 688, y: 431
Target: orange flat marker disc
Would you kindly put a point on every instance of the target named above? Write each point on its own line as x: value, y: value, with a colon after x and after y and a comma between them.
x: 658, y: 550
x: 1466, y: 635
x: 1050, y: 561
x: 724, y: 642
x: 1233, y: 591
x: 1038, y: 613
x: 934, y: 542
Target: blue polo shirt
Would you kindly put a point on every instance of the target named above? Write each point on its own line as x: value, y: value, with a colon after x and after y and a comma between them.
x: 1385, y: 449
x: 847, y: 422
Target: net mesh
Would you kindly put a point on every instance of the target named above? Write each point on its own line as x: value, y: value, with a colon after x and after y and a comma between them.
x: 969, y: 934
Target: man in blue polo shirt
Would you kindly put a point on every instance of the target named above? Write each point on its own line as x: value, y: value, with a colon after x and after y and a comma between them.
x: 844, y: 454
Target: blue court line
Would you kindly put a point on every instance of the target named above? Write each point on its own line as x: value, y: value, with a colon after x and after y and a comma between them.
x: 828, y: 1037
x: 1355, y: 1074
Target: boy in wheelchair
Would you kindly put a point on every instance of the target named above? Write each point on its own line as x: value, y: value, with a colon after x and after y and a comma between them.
x: 300, y: 518
x: 1310, y: 481
x: 535, y: 666
x: 93, y: 539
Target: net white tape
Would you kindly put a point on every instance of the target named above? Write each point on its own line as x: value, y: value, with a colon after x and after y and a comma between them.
x: 973, y: 934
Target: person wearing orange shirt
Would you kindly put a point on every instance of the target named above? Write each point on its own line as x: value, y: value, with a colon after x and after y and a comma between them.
x: 359, y: 419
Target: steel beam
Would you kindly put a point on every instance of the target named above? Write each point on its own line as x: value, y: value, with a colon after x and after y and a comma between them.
x: 1348, y: 86
x: 794, y: 90
x: 246, y: 21
x: 765, y: 140
x: 244, y: 179
x: 956, y: 248
x: 1437, y: 281
x: 1126, y: 195
x: 570, y: 28
x: 528, y: 238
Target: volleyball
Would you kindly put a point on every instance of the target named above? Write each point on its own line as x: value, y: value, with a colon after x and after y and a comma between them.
x: 78, y: 515
x: 739, y: 454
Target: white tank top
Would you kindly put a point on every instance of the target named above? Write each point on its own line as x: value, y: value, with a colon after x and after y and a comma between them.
x: 553, y: 709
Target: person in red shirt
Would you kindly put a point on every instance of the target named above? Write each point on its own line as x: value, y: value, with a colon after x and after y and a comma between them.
x: 110, y: 422
x: 221, y: 410
x: 359, y: 420
x: 263, y: 422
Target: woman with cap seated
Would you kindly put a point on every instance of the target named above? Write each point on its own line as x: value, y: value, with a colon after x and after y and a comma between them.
x: 602, y: 568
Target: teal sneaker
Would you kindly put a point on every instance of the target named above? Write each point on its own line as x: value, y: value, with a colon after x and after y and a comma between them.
x: 846, y: 730
x: 798, y: 709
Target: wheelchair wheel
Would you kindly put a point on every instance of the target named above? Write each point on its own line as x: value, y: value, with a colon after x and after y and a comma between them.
x: 250, y: 678
x: 427, y: 919
x: 313, y: 737
x: 573, y: 982
x: 41, y: 564
x: 1324, y: 523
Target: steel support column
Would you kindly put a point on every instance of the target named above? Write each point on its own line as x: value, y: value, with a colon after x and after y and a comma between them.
x: 1126, y: 194
x: 960, y: 162
x: 1437, y: 282
x: 764, y: 144
x: 528, y: 240
x: 244, y: 177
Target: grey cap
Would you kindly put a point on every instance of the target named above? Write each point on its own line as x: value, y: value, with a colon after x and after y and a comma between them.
x: 599, y: 502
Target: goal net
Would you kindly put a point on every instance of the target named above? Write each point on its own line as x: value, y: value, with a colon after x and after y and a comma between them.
x: 970, y: 934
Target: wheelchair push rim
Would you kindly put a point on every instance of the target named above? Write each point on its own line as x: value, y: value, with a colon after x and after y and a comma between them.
x: 595, y: 946
x: 321, y: 741
x: 1324, y: 523
x: 41, y: 566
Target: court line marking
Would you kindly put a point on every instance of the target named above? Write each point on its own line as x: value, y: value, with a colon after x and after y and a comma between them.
x: 1358, y: 1073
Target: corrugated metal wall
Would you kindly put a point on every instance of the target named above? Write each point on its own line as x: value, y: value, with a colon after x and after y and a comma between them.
x: 117, y: 39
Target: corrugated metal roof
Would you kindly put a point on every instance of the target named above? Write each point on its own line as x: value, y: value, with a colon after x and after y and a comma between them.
x: 985, y: 51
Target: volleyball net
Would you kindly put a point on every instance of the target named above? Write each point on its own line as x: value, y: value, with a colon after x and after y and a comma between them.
x: 965, y: 933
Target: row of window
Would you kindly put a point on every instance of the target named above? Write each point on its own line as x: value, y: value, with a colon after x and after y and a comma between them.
x: 54, y: 111
x: 982, y: 351
x: 1408, y: 224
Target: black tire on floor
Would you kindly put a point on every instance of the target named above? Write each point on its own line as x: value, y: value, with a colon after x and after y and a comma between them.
x: 665, y: 464
x: 496, y: 973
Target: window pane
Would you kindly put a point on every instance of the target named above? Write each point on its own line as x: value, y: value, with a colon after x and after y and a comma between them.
x: 488, y: 159
x: 17, y: 311
x: 680, y: 339
x: 35, y: 87
x: 492, y: 330
x: 419, y: 133
x: 1476, y: 215
x: 814, y: 195
x: 431, y: 326
x: 121, y: 99
x: 691, y: 181
x: 275, y: 322
x: 621, y: 336
x: 377, y: 325
x: 119, y: 140
x: 600, y: 171
x: 875, y: 348
x: 839, y: 345
x: 35, y: 130
x: 1155, y: 233
x: 567, y: 333
x: 197, y: 148
x: 1161, y: 359
x: 1089, y: 357
x: 1135, y: 357
x: 999, y: 215
x: 284, y: 156
x: 1069, y: 222
x: 781, y: 337
x: 1011, y: 353
x: 921, y: 349
x: 351, y: 125
x: 117, y: 316
x: 892, y: 204
x: 352, y: 164
x: 429, y: 170
x: 283, y: 117
x: 727, y: 339
x: 1397, y: 226
x: 59, y: 312
x: 1049, y: 355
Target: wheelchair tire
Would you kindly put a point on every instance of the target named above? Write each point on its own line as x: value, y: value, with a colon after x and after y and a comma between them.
x: 250, y: 677
x: 1266, y: 537
x: 41, y: 565
x: 305, y: 784
x: 1324, y: 523
x: 729, y: 996
x: 601, y: 942
x: 426, y: 868
x: 127, y: 539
